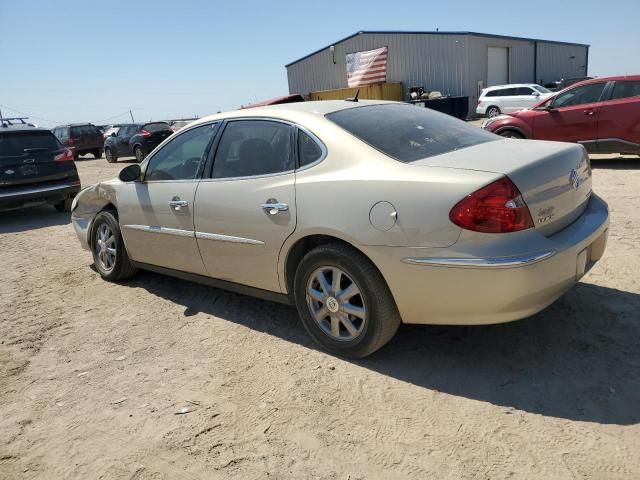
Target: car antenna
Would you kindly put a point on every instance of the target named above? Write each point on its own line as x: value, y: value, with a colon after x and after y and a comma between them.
x: 353, y: 99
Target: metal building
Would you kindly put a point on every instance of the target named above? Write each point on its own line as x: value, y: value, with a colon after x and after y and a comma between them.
x: 454, y: 63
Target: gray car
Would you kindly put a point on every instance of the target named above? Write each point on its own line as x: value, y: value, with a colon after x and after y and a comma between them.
x: 362, y: 214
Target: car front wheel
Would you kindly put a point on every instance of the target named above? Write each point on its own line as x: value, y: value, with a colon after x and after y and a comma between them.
x: 110, y: 155
x: 510, y: 134
x: 344, y: 302
x: 139, y: 154
x: 109, y: 253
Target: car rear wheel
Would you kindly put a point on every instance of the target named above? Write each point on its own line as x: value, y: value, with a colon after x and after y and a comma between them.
x: 97, y: 153
x: 139, y: 154
x: 110, y: 155
x: 109, y: 253
x: 493, y: 112
x: 344, y: 302
x: 511, y: 134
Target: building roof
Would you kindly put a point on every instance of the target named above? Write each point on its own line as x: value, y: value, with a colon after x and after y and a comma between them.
x: 475, y: 34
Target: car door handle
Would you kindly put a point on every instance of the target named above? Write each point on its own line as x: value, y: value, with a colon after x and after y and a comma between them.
x: 589, y: 112
x: 178, y: 204
x: 275, y: 207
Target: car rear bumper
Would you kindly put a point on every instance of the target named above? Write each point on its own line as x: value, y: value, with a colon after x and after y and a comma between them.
x: 451, y: 287
x: 18, y: 197
x: 481, y: 109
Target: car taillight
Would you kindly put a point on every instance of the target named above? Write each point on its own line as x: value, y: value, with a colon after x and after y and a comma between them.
x: 64, y: 156
x: 496, y: 208
x: 145, y: 133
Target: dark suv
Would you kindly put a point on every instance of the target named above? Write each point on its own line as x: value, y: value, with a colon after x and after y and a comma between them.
x: 137, y: 139
x: 35, y: 169
x: 80, y: 138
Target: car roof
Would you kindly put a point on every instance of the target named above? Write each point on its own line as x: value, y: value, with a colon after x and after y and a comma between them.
x: 21, y: 128
x: 512, y: 85
x: 295, y: 111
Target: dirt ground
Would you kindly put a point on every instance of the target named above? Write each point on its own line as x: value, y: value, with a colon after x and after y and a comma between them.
x: 93, y: 375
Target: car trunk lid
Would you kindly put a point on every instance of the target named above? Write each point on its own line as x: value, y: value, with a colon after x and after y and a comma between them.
x: 554, y: 178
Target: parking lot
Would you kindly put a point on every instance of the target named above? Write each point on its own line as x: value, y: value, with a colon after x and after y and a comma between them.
x: 158, y: 378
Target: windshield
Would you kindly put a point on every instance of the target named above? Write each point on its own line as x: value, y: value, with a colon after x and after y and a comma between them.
x: 15, y: 144
x: 542, y: 89
x: 408, y: 133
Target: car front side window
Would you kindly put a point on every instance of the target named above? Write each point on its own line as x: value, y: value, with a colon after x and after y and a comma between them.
x: 181, y: 157
x: 254, y: 147
x: 579, y: 96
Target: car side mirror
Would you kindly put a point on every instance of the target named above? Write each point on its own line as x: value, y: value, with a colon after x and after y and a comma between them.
x: 130, y: 173
x: 536, y: 94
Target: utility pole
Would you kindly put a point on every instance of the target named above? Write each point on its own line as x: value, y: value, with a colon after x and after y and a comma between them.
x: 132, y: 120
x: 1, y: 123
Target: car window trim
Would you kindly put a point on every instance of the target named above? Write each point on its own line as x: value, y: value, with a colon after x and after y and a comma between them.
x: 171, y: 138
x: 292, y: 136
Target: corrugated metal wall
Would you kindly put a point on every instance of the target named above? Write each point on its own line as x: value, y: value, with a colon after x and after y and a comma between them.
x: 450, y: 63
x: 556, y: 61
x: 436, y: 62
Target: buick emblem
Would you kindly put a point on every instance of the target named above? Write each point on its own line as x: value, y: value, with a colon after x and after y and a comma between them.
x: 30, y: 160
x: 574, y: 179
x: 9, y: 172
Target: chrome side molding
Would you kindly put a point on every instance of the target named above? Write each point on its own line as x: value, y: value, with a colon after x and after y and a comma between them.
x: 488, y: 263
x: 227, y: 238
x: 164, y: 230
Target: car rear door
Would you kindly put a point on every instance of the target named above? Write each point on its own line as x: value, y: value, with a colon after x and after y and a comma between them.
x: 573, y: 116
x: 246, y: 210
x: 28, y: 157
x: 619, y: 118
x: 156, y: 214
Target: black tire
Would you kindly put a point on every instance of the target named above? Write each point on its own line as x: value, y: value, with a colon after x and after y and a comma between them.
x: 139, y: 153
x: 511, y: 134
x: 64, y: 205
x: 97, y: 153
x: 492, y: 111
x: 76, y: 155
x: 110, y: 155
x: 382, y: 317
x: 121, y: 267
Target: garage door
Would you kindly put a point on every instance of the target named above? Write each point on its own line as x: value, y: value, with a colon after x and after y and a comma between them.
x: 497, y: 66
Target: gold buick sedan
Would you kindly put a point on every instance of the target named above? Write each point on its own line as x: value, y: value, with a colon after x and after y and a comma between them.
x: 363, y: 214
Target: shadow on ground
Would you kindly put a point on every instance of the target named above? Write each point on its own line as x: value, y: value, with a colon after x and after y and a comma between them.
x: 616, y: 163
x: 32, y: 218
x: 578, y: 359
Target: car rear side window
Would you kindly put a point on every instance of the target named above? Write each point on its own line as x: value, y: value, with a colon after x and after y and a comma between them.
x: 625, y: 89
x: 253, y: 147
x: 308, y: 149
x: 408, y: 133
x: 17, y: 144
x: 84, y: 130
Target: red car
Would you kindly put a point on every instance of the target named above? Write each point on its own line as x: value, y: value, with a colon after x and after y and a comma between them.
x: 603, y: 114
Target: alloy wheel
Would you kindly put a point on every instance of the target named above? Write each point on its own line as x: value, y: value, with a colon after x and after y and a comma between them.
x: 336, y: 303
x: 105, y: 247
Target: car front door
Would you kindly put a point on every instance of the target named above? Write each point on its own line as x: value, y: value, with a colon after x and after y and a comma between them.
x: 572, y: 116
x: 122, y: 140
x: 246, y: 209
x: 526, y: 97
x: 156, y: 214
x: 619, y: 119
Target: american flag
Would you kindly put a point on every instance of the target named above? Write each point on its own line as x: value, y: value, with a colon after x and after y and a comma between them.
x: 365, y: 68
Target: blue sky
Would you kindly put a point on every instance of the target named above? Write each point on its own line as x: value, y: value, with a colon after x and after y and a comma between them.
x: 74, y: 60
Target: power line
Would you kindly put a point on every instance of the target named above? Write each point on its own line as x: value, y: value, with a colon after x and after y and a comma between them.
x: 31, y: 116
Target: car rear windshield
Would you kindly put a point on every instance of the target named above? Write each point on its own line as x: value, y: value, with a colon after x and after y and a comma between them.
x: 84, y: 130
x: 15, y: 144
x: 408, y: 133
x: 156, y: 127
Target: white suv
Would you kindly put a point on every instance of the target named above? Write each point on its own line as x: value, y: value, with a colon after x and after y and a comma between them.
x: 509, y: 98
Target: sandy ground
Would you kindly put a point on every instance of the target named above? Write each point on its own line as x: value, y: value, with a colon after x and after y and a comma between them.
x: 92, y: 375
